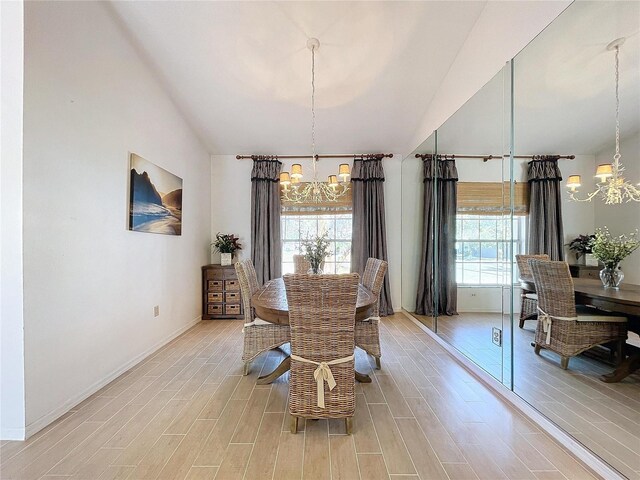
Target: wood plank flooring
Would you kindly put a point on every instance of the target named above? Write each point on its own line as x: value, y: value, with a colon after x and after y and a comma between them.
x: 603, y: 417
x: 186, y: 412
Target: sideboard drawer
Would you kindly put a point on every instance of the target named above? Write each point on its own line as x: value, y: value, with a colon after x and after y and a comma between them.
x: 232, y: 297
x: 232, y: 309
x: 232, y: 285
x: 214, y: 297
x: 214, y: 309
x: 590, y: 274
x: 215, y: 285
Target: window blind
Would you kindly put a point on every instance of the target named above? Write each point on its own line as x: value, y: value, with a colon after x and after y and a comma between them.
x: 492, y: 198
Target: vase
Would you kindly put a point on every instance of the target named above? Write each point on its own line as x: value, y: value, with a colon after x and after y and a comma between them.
x: 317, y: 271
x: 225, y: 259
x: 611, y: 276
x: 590, y: 260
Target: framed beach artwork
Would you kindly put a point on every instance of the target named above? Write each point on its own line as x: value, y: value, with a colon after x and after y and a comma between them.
x: 155, y: 198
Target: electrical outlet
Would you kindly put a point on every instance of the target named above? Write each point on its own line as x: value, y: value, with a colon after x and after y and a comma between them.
x: 156, y: 310
x: 496, y: 336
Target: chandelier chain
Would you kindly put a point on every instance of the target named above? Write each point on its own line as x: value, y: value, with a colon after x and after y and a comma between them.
x: 313, y: 107
x: 617, y: 155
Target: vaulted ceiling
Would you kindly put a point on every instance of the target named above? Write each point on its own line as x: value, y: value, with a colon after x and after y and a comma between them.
x: 241, y: 72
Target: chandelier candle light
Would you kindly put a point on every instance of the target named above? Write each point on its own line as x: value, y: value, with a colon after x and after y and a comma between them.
x: 611, y: 185
x: 314, y: 191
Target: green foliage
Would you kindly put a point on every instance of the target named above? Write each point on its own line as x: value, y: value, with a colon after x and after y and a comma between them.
x: 316, y: 249
x: 581, y: 244
x: 612, y: 250
x: 226, y: 243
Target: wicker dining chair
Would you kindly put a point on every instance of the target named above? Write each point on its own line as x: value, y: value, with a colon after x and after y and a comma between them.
x: 302, y: 265
x: 368, y: 331
x: 528, y: 298
x: 562, y: 328
x: 322, y: 311
x: 259, y: 335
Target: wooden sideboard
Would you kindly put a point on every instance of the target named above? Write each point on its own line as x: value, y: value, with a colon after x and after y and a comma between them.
x: 220, y: 293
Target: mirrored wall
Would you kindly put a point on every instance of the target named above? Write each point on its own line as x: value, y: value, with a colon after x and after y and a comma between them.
x: 508, y: 176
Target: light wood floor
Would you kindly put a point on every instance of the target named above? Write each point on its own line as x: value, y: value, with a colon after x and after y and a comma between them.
x: 187, y: 413
x: 604, y: 417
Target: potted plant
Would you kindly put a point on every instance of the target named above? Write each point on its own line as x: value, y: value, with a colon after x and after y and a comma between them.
x: 227, y: 244
x: 611, y: 251
x: 316, y: 249
x: 581, y: 246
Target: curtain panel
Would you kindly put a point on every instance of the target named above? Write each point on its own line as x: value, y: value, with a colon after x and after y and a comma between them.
x: 545, y: 207
x: 438, y: 240
x: 266, y: 246
x: 369, y: 228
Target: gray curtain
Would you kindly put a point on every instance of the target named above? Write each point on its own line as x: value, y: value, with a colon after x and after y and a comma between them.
x: 369, y: 230
x: 437, y: 288
x: 266, y: 247
x: 545, y: 207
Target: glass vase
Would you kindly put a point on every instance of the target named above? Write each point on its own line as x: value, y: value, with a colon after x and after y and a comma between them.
x: 611, y: 276
x: 315, y: 271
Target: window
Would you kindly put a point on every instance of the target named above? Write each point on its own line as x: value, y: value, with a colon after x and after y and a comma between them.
x: 482, y: 248
x: 298, y: 227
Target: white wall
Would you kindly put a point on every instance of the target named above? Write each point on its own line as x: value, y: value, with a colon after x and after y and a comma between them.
x: 501, y: 31
x: 231, y: 181
x: 12, y: 413
x: 90, y: 284
x: 625, y: 218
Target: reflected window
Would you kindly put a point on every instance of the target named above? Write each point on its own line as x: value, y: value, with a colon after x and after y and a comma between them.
x: 483, y: 248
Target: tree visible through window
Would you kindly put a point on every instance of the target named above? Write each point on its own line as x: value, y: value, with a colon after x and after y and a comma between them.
x: 483, y: 244
x: 298, y: 227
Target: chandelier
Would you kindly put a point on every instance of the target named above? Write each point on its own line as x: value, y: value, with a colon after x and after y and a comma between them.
x: 611, y: 186
x: 314, y: 191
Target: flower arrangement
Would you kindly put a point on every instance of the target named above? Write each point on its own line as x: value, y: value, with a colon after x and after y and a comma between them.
x: 316, y: 249
x: 226, y: 243
x: 581, y: 245
x: 612, y: 250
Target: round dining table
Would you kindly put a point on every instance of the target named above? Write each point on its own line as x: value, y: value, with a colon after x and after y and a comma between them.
x: 270, y: 304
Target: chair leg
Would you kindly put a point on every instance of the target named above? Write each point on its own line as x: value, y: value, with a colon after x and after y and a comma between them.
x: 564, y: 362
x: 378, y: 365
x: 521, y: 322
x: 245, y: 368
x: 348, y: 422
x: 620, y: 351
x: 537, y: 349
x: 294, y: 424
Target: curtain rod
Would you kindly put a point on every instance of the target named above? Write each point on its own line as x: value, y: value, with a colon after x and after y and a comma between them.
x: 275, y: 157
x: 486, y: 158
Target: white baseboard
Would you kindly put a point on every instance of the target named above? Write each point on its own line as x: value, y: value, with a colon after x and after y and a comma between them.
x: 50, y: 417
x: 12, y: 434
x: 582, y: 454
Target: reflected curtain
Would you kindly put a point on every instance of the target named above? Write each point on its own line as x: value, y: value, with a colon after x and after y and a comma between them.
x: 266, y: 247
x: 438, y: 240
x: 545, y: 207
x: 369, y: 229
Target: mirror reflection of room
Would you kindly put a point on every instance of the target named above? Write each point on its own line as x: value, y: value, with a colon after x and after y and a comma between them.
x: 586, y: 336
x: 525, y: 263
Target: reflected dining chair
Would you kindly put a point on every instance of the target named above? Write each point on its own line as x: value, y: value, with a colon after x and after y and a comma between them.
x: 259, y: 335
x: 563, y: 328
x: 528, y: 298
x: 322, y: 312
x: 368, y: 331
